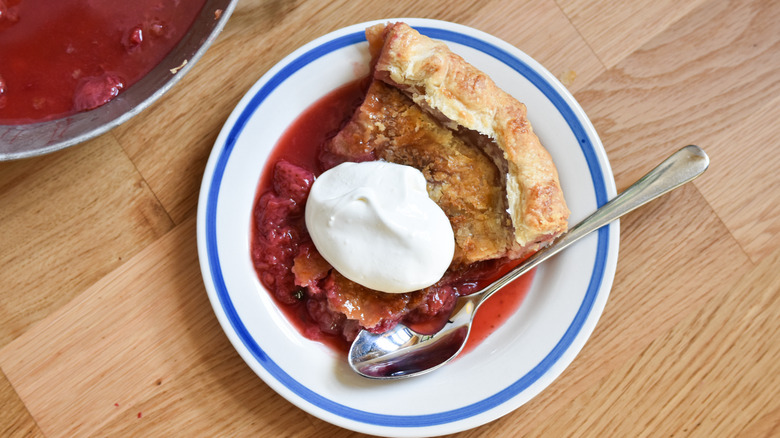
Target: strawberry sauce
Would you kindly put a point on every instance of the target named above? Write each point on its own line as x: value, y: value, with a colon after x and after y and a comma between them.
x: 60, y: 57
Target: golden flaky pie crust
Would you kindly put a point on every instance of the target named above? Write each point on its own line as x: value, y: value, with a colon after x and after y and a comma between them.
x: 441, y: 81
x: 430, y: 109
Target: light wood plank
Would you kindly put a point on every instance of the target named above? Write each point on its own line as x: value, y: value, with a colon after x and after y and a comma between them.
x: 15, y: 421
x: 188, y: 118
x: 540, y: 29
x: 187, y: 401
x: 616, y: 29
x: 723, y: 98
x: 694, y: 380
x: 68, y: 219
x: 144, y: 323
x: 717, y: 65
x: 743, y: 184
x: 767, y: 426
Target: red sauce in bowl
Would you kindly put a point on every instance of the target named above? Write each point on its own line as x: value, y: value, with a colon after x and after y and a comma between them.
x: 60, y: 57
x: 298, y: 150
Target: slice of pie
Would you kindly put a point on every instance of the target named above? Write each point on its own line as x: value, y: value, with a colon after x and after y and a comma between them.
x: 428, y: 108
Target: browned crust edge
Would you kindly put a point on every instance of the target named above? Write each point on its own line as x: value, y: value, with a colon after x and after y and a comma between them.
x: 462, y: 96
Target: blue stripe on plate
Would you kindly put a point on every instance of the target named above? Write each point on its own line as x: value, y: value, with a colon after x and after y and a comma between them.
x: 406, y: 420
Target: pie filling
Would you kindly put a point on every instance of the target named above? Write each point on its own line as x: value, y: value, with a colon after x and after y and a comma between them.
x: 61, y: 57
x: 462, y: 180
x: 498, y: 188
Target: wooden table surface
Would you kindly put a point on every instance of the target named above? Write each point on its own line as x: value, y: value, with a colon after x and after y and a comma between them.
x: 106, y: 329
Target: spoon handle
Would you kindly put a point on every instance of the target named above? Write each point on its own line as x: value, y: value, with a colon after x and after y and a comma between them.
x: 680, y: 168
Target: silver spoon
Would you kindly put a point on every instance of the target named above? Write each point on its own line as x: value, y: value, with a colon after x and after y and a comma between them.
x: 402, y: 352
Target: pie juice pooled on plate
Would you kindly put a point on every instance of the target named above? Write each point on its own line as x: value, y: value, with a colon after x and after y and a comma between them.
x: 426, y: 108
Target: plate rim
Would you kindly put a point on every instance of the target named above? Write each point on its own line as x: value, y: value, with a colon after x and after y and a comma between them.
x: 368, y: 422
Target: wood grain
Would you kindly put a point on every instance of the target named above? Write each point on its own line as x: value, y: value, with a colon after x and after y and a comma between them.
x: 766, y: 426
x: 615, y: 30
x: 132, y: 331
x: 675, y: 387
x: 658, y: 101
x: 90, y: 196
x: 107, y: 330
x: 751, y: 207
x: 15, y: 420
x: 545, y: 34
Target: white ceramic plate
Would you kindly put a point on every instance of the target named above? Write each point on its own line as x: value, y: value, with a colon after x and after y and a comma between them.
x: 509, y: 368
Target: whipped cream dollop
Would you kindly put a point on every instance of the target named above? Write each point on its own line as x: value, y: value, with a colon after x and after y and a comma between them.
x: 375, y: 224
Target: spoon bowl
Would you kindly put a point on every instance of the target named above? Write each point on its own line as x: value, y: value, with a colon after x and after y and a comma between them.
x: 402, y: 353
